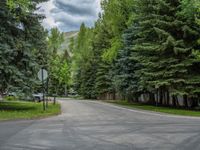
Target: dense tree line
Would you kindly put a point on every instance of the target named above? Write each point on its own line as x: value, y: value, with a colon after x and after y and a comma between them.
x: 141, y: 50
x: 23, y: 45
x: 58, y: 64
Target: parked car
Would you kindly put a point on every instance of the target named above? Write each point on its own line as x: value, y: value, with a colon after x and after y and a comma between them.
x: 38, y: 97
x: 73, y: 94
x: 19, y: 96
x: 13, y: 94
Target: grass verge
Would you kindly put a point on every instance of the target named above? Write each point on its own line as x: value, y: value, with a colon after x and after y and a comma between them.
x: 167, y: 110
x: 72, y: 97
x: 26, y: 110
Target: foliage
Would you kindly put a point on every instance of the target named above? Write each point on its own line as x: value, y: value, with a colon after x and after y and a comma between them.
x: 83, y: 65
x: 125, y: 79
x: 163, y: 47
x: 59, y: 74
x: 58, y: 64
x: 136, y: 48
x: 10, y: 98
x: 55, y: 39
x: 22, y: 49
x: 13, y: 4
x: 115, y: 19
x: 141, y: 48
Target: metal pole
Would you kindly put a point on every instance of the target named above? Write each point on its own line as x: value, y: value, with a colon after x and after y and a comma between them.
x: 44, y: 108
x: 54, y: 100
x: 47, y: 92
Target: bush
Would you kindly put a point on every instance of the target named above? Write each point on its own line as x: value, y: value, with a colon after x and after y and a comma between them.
x: 10, y: 98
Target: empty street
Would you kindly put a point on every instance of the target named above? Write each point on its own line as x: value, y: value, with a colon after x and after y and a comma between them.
x: 93, y: 125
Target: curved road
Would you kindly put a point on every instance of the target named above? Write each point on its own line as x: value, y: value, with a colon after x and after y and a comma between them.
x: 91, y: 125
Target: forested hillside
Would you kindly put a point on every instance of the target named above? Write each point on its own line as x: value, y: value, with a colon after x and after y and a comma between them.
x: 141, y: 51
x: 66, y: 44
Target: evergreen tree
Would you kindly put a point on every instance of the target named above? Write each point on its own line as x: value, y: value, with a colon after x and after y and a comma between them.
x: 84, y: 67
x: 20, y: 44
x: 55, y: 40
x: 101, y: 42
x: 141, y: 47
x: 125, y: 80
x: 163, y: 47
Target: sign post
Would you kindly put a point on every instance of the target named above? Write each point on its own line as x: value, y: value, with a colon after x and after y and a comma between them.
x: 43, y: 75
x: 47, y: 93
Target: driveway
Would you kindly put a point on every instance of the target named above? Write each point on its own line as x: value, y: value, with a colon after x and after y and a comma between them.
x: 92, y: 125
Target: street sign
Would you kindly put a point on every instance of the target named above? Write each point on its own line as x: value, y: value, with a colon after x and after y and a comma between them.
x: 42, y: 74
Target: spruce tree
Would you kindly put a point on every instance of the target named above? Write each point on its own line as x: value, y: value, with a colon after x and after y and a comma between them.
x: 22, y: 45
x: 125, y: 80
x: 84, y: 63
x: 163, y: 47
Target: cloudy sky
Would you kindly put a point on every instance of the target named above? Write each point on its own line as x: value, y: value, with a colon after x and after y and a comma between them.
x: 67, y: 15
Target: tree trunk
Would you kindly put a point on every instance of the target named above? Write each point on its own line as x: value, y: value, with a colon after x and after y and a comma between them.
x: 157, y: 97
x: 177, y: 102
x: 161, y: 96
x: 168, y: 98
x: 66, y: 93
x: 194, y: 102
x: 164, y: 98
x: 185, y: 101
x: 136, y: 98
x: 151, y: 98
x: 174, y: 101
x: 114, y: 95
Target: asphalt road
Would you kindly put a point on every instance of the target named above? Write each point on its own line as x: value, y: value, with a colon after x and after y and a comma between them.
x: 89, y: 125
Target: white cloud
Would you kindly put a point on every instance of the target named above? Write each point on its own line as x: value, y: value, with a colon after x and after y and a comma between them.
x: 68, y: 15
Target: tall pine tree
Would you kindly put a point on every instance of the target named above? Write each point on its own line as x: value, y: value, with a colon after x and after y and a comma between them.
x: 163, y: 47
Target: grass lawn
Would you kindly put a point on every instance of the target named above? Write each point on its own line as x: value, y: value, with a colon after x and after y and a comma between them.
x: 167, y: 110
x: 72, y: 97
x: 26, y: 110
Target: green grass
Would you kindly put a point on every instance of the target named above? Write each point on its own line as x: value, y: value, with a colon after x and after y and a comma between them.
x: 26, y: 110
x: 167, y: 110
x: 72, y: 97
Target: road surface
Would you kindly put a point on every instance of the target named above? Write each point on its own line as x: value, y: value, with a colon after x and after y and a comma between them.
x: 90, y: 125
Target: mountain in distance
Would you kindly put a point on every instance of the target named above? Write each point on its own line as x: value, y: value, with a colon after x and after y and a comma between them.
x: 65, y: 45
